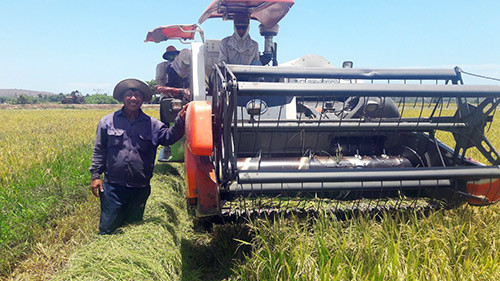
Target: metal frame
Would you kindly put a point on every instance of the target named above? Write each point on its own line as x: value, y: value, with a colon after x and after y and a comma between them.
x: 453, y: 75
x: 467, y: 125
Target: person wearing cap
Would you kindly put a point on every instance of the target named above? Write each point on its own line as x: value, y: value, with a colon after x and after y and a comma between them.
x: 125, y: 151
x: 239, y: 48
x: 176, y: 88
x: 177, y: 77
x: 161, y: 69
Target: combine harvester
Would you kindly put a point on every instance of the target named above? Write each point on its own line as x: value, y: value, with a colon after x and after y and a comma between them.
x: 305, y: 134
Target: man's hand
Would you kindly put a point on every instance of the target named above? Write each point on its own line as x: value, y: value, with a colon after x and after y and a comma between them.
x: 182, y: 113
x: 186, y: 93
x: 159, y: 88
x: 96, y: 186
x: 173, y: 92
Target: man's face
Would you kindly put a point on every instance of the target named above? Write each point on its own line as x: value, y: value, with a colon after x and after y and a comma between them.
x: 132, y: 99
x: 170, y: 56
x: 241, y: 28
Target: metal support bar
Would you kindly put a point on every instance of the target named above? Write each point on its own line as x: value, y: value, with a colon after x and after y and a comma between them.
x: 349, y: 126
x: 378, y: 90
x: 347, y: 73
x: 285, y: 188
x: 329, y: 175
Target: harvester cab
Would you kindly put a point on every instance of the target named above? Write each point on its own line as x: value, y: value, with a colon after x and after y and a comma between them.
x: 306, y: 134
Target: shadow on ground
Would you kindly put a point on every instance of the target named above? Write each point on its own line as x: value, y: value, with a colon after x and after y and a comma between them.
x: 166, y: 169
x: 208, y: 251
x: 214, y: 255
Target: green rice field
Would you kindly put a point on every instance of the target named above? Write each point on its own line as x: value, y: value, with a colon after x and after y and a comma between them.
x: 49, y: 220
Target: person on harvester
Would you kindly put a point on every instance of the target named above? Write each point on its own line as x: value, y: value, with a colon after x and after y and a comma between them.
x: 174, y: 82
x: 161, y: 69
x: 239, y: 48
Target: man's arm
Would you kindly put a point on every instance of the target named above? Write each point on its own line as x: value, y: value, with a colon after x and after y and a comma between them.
x: 161, y: 76
x: 173, y: 92
x: 256, y: 54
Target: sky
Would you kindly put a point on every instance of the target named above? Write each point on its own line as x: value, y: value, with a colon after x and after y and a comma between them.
x: 90, y: 45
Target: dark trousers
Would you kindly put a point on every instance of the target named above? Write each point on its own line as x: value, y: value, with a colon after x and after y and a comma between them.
x: 121, y: 205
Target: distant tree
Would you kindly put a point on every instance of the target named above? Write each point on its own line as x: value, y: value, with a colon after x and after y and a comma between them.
x: 156, y: 96
x: 56, y: 98
x: 151, y: 83
x: 23, y: 99
x: 100, y: 99
x: 42, y: 98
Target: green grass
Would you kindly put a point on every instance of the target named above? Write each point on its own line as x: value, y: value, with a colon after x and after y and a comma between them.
x: 145, y: 251
x: 44, y: 176
x: 44, y: 156
x: 166, y: 246
x: 458, y: 244
x: 50, y: 222
x: 29, y: 204
x: 461, y: 244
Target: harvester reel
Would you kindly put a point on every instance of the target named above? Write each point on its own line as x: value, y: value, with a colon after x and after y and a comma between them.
x: 477, y: 117
x: 316, y: 146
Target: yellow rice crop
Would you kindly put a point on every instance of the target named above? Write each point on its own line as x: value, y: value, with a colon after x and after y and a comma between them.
x: 30, y: 137
x: 491, y: 131
x: 44, y: 161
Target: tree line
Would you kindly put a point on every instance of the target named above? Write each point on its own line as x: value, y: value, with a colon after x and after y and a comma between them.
x: 96, y: 98
x: 43, y: 98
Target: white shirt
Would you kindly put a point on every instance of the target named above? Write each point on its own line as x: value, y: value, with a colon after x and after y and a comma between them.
x: 182, y: 63
x: 238, y: 50
x: 161, y: 73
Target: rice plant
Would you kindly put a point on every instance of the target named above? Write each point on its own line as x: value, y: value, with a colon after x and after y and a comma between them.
x: 44, y: 161
x: 45, y: 194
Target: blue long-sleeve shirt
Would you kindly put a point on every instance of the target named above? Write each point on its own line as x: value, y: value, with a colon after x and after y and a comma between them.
x: 125, y: 152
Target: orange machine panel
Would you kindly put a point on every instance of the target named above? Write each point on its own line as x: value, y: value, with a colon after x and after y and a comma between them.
x: 488, y: 189
x: 199, y: 128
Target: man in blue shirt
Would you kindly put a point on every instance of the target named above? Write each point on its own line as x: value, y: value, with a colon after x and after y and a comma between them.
x: 125, y: 151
